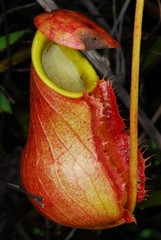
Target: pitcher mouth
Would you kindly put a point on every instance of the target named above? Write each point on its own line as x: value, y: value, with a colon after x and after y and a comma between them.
x: 84, y: 69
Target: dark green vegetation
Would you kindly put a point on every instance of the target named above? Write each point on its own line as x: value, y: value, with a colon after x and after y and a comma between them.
x: 18, y: 219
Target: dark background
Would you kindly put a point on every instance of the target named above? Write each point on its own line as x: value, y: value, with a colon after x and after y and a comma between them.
x: 18, y: 219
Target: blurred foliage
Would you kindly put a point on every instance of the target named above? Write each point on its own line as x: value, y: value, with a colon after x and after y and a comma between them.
x: 12, y: 37
x: 4, y: 103
x: 18, y: 219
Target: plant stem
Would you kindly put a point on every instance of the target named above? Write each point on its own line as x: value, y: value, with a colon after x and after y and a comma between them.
x: 133, y: 171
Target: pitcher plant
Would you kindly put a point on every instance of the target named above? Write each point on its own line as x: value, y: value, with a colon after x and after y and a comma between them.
x: 77, y: 156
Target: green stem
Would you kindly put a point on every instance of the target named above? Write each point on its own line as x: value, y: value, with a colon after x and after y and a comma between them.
x: 133, y: 171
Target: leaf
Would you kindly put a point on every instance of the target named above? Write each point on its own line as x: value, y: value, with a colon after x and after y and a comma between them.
x: 150, y: 234
x: 15, y: 59
x: 5, y: 105
x: 13, y: 37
